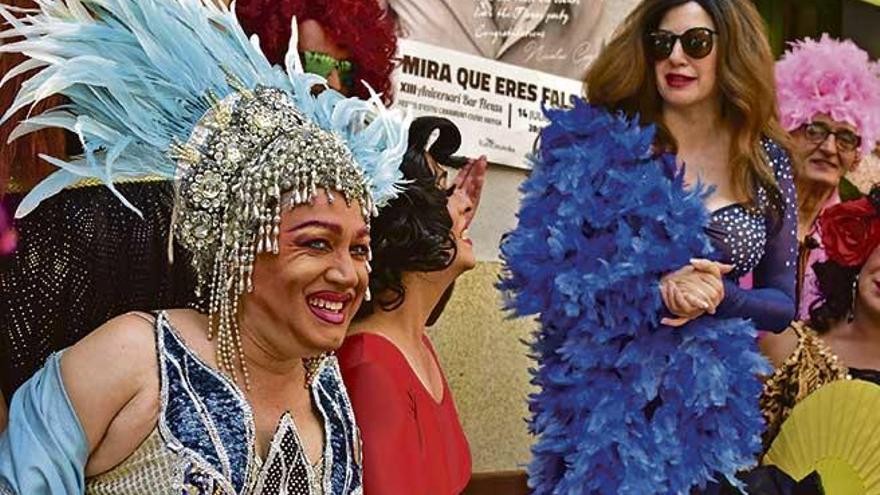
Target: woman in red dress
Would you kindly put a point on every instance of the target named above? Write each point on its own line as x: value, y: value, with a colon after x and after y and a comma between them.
x: 413, y: 441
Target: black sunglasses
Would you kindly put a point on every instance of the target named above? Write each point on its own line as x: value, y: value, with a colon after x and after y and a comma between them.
x: 696, y: 42
x: 846, y: 140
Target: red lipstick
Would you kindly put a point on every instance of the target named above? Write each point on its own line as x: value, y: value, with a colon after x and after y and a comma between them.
x: 329, y: 306
x: 679, y: 81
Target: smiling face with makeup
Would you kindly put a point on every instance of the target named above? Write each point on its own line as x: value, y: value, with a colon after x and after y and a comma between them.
x: 684, y: 80
x: 312, y: 288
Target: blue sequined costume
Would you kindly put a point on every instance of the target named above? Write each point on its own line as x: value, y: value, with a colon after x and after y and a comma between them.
x: 203, y: 443
x: 750, y: 241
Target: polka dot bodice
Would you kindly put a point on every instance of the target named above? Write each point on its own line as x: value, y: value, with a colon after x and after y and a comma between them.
x: 740, y: 233
x: 739, y: 236
x: 753, y: 242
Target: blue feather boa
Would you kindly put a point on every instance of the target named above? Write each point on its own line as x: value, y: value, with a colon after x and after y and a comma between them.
x: 625, y: 405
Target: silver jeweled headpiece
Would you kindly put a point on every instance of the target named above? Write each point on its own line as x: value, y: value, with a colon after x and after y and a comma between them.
x: 177, y: 90
x: 252, y: 149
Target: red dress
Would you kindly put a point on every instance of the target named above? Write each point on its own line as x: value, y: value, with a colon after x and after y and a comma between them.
x: 413, y: 445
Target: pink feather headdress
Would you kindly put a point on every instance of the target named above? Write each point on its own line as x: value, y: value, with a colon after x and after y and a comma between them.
x: 833, y: 77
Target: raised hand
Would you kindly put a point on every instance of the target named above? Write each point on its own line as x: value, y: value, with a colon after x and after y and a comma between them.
x: 471, y: 179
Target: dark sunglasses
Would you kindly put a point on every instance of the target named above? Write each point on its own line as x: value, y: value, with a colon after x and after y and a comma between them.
x: 696, y: 42
x: 323, y: 64
x: 817, y: 133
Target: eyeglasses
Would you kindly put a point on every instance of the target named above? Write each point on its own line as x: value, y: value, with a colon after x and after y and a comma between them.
x: 696, y: 42
x: 817, y: 133
x: 323, y: 64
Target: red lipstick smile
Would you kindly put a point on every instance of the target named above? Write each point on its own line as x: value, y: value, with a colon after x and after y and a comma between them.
x: 679, y: 81
x: 329, y: 306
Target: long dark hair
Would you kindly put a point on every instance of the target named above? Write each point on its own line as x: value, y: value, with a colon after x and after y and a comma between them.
x: 413, y: 233
x: 836, y: 294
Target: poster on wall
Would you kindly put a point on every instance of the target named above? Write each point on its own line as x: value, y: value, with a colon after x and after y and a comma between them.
x: 490, y: 65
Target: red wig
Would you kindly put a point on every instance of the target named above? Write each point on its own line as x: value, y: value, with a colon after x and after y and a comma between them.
x: 360, y: 26
x: 19, y: 159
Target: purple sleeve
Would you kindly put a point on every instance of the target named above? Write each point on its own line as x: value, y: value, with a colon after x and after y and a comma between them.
x: 770, y: 304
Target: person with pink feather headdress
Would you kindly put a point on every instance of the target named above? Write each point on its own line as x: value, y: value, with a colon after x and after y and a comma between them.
x: 829, y: 100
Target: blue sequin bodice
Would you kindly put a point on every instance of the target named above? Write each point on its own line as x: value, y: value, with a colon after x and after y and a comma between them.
x: 739, y: 233
x: 205, y: 441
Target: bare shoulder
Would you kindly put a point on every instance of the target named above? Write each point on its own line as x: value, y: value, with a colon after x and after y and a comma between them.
x: 778, y: 346
x: 107, y: 369
x: 112, y: 379
x: 122, y: 342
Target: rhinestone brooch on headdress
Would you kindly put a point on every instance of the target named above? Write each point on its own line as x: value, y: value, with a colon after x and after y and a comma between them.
x: 251, y: 155
x: 177, y: 90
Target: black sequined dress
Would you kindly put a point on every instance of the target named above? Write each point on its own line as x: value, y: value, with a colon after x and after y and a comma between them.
x: 83, y: 258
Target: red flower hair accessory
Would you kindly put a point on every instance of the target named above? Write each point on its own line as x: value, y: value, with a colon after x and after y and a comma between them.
x: 851, y: 230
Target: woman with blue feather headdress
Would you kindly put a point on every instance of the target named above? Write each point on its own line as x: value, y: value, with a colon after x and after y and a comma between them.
x: 274, y: 189
x: 647, y: 365
x: 84, y: 256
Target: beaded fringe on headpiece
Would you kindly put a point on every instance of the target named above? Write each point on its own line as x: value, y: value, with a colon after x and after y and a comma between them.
x: 249, y: 150
x: 174, y: 88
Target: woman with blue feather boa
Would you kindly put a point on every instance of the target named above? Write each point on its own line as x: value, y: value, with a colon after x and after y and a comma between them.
x: 630, y: 256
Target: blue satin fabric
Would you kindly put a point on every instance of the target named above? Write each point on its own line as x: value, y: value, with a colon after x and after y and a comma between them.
x: 44, y: 449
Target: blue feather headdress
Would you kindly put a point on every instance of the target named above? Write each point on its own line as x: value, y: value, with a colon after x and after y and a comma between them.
x: 175, y: 89
x: 626, y: 406
x: 140, y: 75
